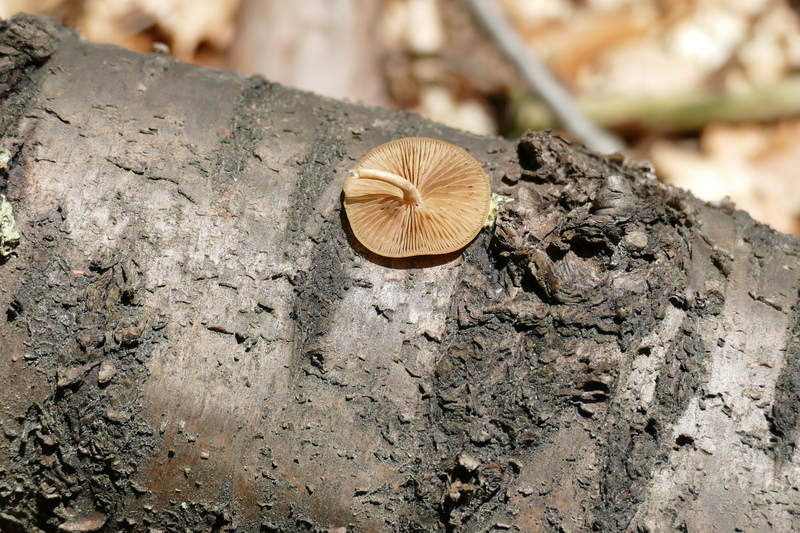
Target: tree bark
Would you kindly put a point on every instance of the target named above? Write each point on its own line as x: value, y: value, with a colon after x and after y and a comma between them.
x: 193, y: 340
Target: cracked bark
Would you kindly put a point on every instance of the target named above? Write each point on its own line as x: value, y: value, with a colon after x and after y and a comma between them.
x: 192, y: 339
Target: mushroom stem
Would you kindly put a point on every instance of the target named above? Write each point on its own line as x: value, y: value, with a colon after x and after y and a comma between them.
x: 410, y: 193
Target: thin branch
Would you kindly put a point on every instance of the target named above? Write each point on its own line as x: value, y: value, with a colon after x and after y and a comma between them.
x: 681, y: 112
x: 541, y: 81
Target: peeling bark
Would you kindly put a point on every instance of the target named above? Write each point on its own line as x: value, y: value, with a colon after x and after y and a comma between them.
x: 192, y: 339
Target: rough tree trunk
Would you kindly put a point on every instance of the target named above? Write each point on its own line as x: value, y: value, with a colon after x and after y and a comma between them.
x: 193, y: 341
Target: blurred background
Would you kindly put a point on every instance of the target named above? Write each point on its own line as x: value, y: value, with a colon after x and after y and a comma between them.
x: 708, y: 90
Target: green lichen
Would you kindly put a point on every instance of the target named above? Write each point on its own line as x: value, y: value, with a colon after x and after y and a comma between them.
x: 9, y: 234
x: 5, y: 157
x: 494, y: 207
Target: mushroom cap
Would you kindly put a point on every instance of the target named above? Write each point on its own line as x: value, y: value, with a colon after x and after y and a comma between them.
x: 449, y: 211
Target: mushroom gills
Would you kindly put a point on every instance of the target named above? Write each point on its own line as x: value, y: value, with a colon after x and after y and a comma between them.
x: 416, y: 196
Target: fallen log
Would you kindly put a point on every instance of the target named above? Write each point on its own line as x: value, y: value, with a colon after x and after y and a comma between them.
x: 193, y: 339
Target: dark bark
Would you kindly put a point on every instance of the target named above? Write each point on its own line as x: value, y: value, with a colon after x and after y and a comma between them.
x: 192, y: 339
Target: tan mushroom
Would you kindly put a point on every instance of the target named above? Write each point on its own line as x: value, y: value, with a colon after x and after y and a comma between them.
x: 416, y: 196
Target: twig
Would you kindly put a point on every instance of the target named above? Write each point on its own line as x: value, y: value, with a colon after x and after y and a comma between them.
x: 682, y: 112
x: 541, y: 81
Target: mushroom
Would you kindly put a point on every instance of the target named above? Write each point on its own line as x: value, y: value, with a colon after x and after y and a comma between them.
x: 416, y: 196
